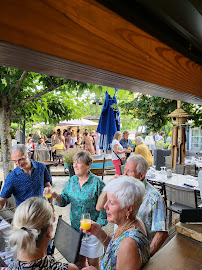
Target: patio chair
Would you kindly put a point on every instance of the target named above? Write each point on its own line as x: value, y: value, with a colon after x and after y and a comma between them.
x: 179, y: 198
x: 41, y: 155
x: 67, y: 241
x: 8, y: 211
x: 179, y: 169
x: 59, y: 154
x: 190, y: 170
x: 168, y: 162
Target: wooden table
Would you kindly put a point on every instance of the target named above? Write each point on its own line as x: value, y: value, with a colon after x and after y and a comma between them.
x: 181, y: 253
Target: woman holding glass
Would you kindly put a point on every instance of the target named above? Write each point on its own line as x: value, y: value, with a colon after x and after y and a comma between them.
x: 128, y: 248
x: 82, y: 191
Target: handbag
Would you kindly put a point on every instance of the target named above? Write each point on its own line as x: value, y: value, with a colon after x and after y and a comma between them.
x: 123, y: 161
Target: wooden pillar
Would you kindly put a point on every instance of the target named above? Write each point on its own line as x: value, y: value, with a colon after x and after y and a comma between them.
x: 174, y: 146
x: 182, y: 145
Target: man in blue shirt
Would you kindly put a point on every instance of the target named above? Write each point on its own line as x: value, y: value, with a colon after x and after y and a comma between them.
x: 28, y: 179
x: 125, y: 142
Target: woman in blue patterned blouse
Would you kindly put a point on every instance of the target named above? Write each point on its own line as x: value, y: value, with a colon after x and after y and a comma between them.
x: 82, y: 191
x: 128, y: 248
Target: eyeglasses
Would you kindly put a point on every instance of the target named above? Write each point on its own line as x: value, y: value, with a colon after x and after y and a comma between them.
x: 19, y: 160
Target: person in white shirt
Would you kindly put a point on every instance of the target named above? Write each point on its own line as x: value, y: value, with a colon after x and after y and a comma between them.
x: 118, y: 152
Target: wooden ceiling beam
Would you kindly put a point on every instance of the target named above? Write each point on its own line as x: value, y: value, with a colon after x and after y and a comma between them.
x: 85, y: 32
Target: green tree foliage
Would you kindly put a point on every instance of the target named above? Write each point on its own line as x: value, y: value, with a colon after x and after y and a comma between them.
x: 153, y: 110
x: 20, y: 92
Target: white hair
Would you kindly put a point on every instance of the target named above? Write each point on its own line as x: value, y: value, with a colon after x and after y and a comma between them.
x: 139, y: 140
x: 142, y: 163
x: 128, y: 191
x: 31, y: 220
x: 20, y: 147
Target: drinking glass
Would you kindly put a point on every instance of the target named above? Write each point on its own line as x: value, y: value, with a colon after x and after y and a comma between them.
x: 85, y: 225
x: 47, y: 194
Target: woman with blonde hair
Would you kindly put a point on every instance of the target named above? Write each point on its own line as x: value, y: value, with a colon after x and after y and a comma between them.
x: 118, y: 152
x: 31, y: 234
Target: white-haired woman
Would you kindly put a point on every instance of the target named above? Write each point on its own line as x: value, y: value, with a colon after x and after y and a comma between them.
x: 142, y: 149
x: 128, y: 248
x: 118, y: 152
x: 30, y: 236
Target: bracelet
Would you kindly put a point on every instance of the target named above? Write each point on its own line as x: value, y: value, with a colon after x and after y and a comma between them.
x: 105, y: 239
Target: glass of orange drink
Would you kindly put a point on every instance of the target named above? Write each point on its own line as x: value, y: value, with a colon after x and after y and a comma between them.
x: 47, y: 194
x: 85, y: 225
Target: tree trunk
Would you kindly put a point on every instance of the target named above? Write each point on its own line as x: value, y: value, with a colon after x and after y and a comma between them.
x: 5, y: 135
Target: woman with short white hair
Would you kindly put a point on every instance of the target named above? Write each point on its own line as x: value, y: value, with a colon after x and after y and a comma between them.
x: 30, y: 235
x: 128, y: 248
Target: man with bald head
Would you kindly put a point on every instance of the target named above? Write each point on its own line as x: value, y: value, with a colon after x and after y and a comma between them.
x: 152, y: 210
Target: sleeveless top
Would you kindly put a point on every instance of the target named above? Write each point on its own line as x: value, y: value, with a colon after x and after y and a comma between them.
x: 110, y: 257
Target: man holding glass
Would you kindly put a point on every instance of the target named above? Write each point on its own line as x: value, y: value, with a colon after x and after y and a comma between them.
x: 28, y: 179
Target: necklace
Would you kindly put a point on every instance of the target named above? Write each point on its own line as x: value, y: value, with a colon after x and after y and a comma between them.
x: 124, y: 229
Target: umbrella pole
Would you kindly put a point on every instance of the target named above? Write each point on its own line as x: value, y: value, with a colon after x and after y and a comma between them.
x: 103, y: 167
x: 104, y: 150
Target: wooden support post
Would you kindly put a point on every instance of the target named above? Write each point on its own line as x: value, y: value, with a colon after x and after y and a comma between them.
x: 174, y: 146
x: 182, y: 145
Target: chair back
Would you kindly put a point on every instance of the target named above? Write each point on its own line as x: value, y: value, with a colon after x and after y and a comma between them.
x: 181, y: 195
x: 41, y: 155
x: 168, y: 162
x: 200, y: 182
x: 67, y: 241
x: 60, y: 152
x: 190, y: 170
x: 179, y: 169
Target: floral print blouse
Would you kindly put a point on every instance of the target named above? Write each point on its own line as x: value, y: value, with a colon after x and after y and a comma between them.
x: 110, y: 257
x: 83, y: 199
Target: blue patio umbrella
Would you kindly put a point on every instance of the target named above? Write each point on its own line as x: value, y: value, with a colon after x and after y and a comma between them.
x: 109, y: 123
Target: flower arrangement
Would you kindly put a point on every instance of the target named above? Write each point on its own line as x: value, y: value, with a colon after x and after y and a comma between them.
x: 70, y: 155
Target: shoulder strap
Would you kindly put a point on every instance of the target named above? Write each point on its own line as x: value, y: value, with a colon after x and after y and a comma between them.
x: 116, y: 155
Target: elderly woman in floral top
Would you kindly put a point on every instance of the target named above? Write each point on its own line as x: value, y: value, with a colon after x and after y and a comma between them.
x: 82, y: 191
x: 128, y: 248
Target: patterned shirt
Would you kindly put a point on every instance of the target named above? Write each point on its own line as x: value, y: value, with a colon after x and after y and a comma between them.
x: 126, y: 143
x: 83, y: 199
x: 46, y: 263
x: 110, y: 257
x: 152, y: 211
x: 23, y: 186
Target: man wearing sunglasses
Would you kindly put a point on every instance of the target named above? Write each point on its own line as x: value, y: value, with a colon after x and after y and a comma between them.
x: 28, y: 179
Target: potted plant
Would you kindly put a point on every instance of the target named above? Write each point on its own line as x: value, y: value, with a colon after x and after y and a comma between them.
x: 160, y: 145
x: 71, y: 152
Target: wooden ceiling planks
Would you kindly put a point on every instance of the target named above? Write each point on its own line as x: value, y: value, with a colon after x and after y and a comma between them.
x: 87, y: 33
